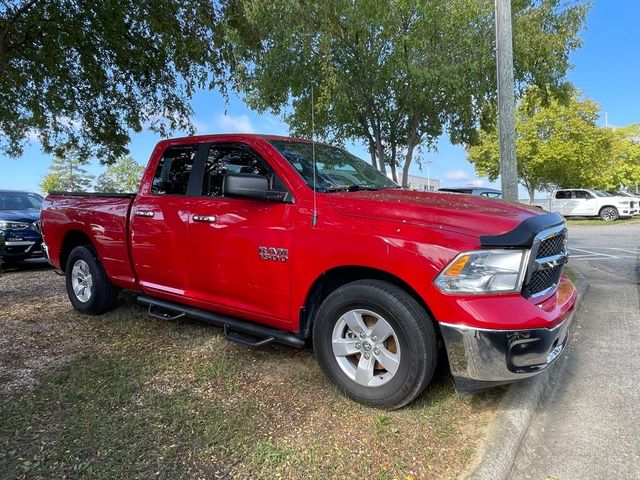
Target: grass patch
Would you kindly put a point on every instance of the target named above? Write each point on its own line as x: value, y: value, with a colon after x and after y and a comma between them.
x: 599, y: 222
x: 141, y: 398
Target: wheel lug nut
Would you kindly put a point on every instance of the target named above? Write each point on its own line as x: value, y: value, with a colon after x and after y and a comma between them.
x: 362, y: 335
x: 367, y: 356
x: 358, y: 346
x: 374, y: 338
x: 376, y: 351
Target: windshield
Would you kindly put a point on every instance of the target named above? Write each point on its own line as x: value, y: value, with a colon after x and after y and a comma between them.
x: 602, y: 194
x: 19, y: 201
x: 336, y: 169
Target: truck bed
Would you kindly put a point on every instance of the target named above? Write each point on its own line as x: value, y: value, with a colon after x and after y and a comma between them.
x: 101, y: 218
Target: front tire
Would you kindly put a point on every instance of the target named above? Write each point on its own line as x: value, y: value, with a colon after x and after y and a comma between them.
x: 376, y: 343
x: 88, y: 287
x: 609, y: 214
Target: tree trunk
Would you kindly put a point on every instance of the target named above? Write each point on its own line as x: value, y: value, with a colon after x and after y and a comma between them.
x: 380, y: 151
x: 372, y: 152
x: 412, y: 143
x: 532, y: 192
x: 394, y: 174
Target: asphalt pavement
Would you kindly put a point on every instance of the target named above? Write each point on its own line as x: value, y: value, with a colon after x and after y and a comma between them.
x: 588, y: 423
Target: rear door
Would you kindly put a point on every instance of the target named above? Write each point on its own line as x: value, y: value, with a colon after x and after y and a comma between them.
x: 160, y: 224
x: 563, y: 202
x: 238, y: 247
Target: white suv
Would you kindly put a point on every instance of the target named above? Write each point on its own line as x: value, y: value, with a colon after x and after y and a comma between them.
x: 581, y: 202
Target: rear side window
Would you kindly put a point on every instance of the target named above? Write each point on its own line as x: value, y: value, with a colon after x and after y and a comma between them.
x: 174, y: 169
x: 229, y: 158
x: 563, y: 194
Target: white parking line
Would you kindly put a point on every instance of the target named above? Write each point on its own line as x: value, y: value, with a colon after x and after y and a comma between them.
x: 623, y: 250
x: 593, y: 253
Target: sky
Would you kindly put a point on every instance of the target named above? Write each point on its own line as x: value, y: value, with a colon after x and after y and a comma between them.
x: 606, y: 69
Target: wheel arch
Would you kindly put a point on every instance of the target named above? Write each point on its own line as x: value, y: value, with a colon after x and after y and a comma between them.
x: 72, y: 239
x: 608, y: 206
x: 336, y: 277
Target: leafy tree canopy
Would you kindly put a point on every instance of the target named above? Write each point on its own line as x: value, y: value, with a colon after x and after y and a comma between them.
x: 66, y: 173
x: 559, y: 144
x: 123, y: 176
x: 395, y: 74
x: 84, y: 73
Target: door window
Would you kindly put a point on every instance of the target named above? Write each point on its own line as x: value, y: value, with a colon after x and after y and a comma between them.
x: 563, y: 194
x: 230, y: 158
x: 582, y: 195
x: 173, y: 171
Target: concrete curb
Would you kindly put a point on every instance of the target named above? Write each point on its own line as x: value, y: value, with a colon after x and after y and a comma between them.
x: 515, y: 413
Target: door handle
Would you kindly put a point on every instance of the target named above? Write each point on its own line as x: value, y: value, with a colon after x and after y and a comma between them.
x: 144, y: 213
x: 205, y: 218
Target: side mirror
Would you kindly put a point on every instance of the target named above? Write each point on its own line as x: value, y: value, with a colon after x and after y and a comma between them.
x: 248, y: 185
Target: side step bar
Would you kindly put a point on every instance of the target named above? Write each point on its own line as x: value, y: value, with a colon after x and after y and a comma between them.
x: 235, y: 330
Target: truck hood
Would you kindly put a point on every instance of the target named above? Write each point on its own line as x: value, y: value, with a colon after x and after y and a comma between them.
x: 466, y: 214
x: 29, y: 216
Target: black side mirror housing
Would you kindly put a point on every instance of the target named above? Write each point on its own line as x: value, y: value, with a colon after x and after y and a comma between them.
x: 248, y: 185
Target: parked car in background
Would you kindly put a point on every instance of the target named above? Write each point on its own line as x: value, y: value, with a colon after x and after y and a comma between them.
x: 19, y: 225
x: 259, y: 235
x: 582, y: 202
x: 634, y: 197
x: 483, y: 192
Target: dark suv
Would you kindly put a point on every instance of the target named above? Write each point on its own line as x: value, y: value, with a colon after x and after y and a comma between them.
x: 19, y: 225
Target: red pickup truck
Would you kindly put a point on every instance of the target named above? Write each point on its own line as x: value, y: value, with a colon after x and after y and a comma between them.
x: 284, y: 240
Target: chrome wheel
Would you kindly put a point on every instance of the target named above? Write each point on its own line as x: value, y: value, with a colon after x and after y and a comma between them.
x: 609, y: 214
x: 82, y: 281
x: 366, y: 347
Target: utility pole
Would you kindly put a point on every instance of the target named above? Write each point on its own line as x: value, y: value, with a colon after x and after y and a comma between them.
x: 506, y: 101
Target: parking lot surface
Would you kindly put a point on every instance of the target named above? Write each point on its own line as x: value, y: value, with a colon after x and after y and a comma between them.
x: 587, y: 425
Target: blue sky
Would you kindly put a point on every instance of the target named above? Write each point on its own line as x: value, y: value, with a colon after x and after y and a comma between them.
x: 606, y: 69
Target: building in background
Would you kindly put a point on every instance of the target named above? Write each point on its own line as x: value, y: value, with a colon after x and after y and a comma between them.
x: 423, y: 184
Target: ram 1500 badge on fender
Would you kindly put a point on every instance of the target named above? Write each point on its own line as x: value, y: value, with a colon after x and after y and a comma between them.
x: 227, y: 229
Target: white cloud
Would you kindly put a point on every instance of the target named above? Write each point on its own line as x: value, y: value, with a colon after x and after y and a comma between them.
x: 459, y: 175
x: 234, y: 124
x: 476, y: 182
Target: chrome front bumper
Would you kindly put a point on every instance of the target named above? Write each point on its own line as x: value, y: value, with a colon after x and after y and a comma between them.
x: 484, y: 358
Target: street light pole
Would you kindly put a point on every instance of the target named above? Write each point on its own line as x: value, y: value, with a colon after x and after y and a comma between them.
x: 429, y: 163
x: 506, y: 101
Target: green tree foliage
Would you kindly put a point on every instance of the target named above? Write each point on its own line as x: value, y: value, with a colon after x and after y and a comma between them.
x: 395, y: 74
x: 559, y: 144
x: 86, y: 73
x: 66, y: 173
x: 121, y: 177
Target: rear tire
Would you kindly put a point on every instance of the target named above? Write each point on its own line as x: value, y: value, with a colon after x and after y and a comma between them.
x: 88, y: 287
x: 376, y: 343
x: 609, y: 214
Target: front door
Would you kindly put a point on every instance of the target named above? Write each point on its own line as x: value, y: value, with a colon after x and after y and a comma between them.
x: 239, y: 248
x: 160, y: 224
x: 586, y: 203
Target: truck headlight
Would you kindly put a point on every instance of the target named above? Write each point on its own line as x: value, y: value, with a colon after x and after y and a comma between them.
x: 7, y: 225
x: 484, y: 271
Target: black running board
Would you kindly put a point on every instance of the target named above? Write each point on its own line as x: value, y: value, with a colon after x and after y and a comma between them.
x: 235, y: 329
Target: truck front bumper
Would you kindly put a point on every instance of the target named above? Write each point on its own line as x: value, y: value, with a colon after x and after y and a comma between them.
x: 482, y: 358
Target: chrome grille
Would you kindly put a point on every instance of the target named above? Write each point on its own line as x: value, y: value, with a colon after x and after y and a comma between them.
x: 551, y: 246
x: 542, y: 280
x: 548, y: 255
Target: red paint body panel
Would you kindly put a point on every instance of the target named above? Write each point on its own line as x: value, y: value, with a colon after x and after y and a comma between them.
x: 216, y: 266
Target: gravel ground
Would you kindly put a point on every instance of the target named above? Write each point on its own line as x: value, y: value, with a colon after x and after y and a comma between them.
x: 35, y: 336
